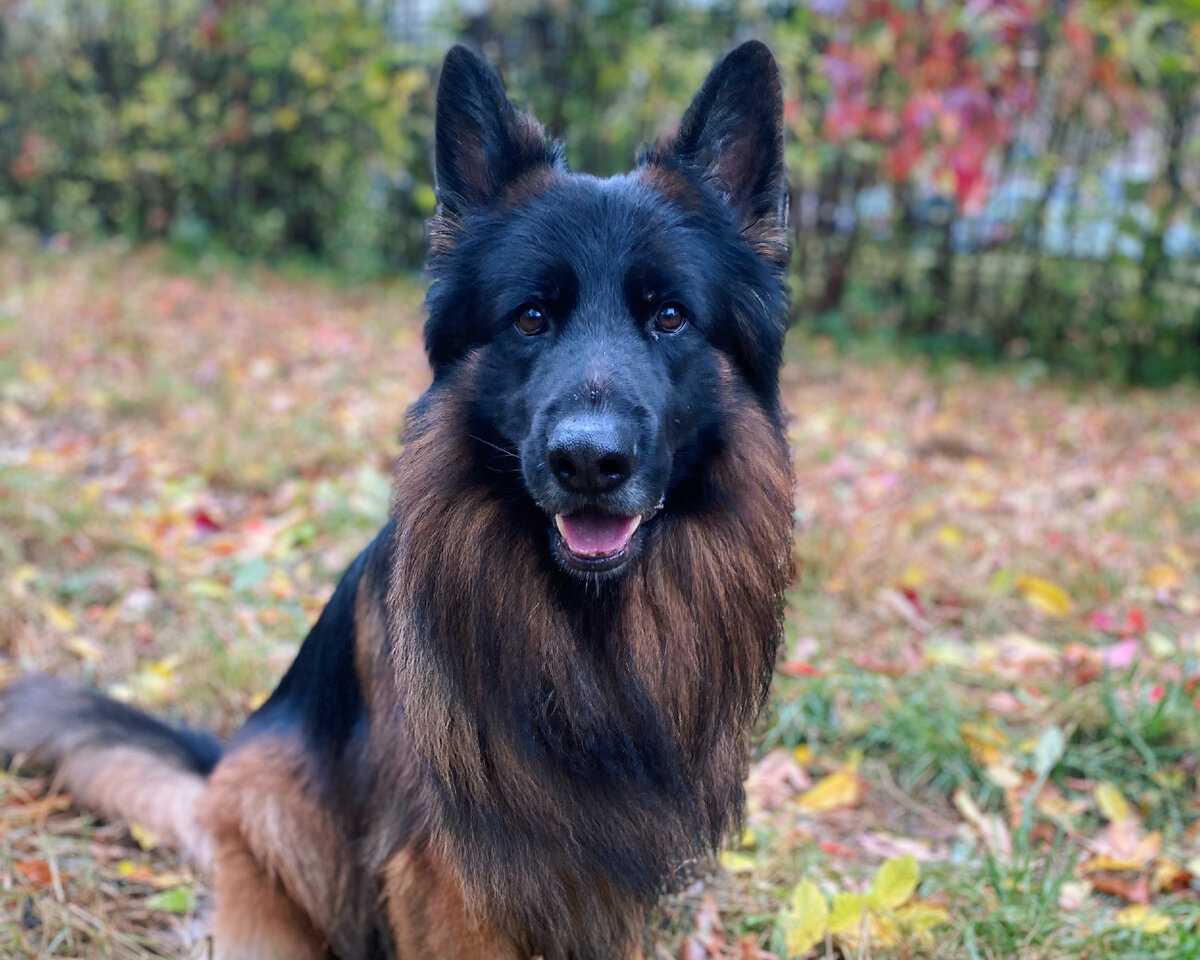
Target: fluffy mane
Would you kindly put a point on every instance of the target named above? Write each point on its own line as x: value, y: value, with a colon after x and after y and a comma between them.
x: 575, y: 741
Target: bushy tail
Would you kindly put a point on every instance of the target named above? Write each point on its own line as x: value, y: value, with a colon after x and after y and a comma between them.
x: 118, y: 762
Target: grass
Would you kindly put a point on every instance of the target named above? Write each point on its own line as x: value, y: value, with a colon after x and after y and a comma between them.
x: 986, y: 564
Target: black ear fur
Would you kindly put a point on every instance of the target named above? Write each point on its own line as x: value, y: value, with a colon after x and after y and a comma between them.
x: 733, y: 134
x: 483, y: 143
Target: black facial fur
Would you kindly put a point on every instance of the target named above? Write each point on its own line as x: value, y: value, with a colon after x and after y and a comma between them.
x: 562, y: 282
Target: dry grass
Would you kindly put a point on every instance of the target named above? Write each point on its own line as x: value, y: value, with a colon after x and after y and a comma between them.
x: 190, y: 459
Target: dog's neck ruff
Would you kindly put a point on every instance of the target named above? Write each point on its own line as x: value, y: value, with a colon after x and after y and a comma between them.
x: 578, y: 743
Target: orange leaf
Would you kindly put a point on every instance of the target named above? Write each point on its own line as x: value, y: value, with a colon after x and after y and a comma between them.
x: 35, y: 871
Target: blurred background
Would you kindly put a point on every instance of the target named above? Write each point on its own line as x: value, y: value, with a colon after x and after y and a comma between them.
x: 996, y: 179
x: 984, y: 728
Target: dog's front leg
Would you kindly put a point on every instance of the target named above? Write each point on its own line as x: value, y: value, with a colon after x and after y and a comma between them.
x: 428, y: 917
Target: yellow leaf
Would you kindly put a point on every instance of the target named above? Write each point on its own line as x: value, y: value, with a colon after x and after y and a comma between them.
x: 84, y: 649
x: 842, y: 788
x: 913, y: 577
x: 950, y: 536
x: 1045, y: 595
x: 847, y: 913
x: 748, y: 840
x: 803, y: 755
x: 1107, y: 864
x: 1168, y: 873
x: 895, y: 882
x: 1111, y: 802
x: 1140, y: 917
x: 736, y: 862
x: 60, y: 618
x: 920, y: 917
x: 985, y: 741
x: 35, y: 372
x: 1163, y: 576
x: 146, y: 839
x: 155, y: 683
x: 805, y: 922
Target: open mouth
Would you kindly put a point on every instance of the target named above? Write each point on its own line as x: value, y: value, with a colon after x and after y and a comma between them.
x: 596, y: 541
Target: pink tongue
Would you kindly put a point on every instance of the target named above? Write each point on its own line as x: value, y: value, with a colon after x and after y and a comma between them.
x: 596, y: 534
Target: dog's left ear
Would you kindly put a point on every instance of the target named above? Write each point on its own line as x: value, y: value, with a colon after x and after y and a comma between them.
x: 483, y: 143
x: 732, y: 134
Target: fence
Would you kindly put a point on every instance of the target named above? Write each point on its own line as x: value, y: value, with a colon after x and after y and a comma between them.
x: 1005, y: 178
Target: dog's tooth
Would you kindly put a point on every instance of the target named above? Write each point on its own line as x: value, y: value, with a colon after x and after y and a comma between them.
x: 558, y: 522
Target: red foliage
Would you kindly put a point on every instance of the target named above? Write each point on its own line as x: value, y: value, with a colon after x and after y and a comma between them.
x: 936, y: 86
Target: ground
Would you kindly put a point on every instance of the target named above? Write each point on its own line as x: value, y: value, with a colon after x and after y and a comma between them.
x: 984, y: 729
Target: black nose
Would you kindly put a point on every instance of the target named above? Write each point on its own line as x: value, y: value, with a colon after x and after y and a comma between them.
x: 590, y: 454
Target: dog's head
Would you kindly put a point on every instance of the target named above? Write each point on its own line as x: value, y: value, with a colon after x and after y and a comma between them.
x: 601, y: 316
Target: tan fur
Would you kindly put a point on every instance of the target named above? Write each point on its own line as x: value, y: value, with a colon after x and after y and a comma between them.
x: 480, y: 640
x: 126, y: 783
x: 427, y: 914
x: 280, y: 863
x: 255, y: 918
x: 766, y: 234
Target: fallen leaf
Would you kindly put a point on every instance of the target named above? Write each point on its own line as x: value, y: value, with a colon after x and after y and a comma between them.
x: 895, y: 882
x: 775, y: 778
x: 842, y: 788
x: 60, y: 618
x: 806, y: 918
x: 1111, y: 802
x: 175, y: 900
x: 1170, y: 876
x: 988, y: 826
x: 985, y: 742
x: 1163, y: 576
x: 1073, y: 894
x: 35, y: 871
x: 1135, y: 889
x: 847, y: 913
x: 85, y: 649
x: 735, y: 862
x: 1121, y: 656
x: 1142, y: 918
x: 919, y: 917
x: 1045, y: 596
x: 145, y: 838
x: 886, y: 846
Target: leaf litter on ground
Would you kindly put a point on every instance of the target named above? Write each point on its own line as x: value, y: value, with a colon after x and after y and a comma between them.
x: 990, y: 685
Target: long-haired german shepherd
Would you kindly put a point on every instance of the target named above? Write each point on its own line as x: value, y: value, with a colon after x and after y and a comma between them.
x: 528, y: 702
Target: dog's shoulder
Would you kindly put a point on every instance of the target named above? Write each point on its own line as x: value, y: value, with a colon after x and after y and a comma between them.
x: 324, y: 696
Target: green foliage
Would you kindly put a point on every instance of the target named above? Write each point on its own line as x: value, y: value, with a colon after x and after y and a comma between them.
x: 284, y: 125
x: 991, y: 143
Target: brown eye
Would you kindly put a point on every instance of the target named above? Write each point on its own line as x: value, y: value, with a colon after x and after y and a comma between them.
x: 670, y: 318
x: 531, y: 321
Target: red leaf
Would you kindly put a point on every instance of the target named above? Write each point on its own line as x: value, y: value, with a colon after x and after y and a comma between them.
x: 204, y: 523
x: 1135, y: 890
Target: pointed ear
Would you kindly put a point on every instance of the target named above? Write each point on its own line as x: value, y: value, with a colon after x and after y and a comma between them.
x: 483, y: 143
x: 732, y: 134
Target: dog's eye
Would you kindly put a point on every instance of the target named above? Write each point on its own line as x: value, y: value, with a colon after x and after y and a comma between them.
x: 670, y: 318
x: 531, y: 321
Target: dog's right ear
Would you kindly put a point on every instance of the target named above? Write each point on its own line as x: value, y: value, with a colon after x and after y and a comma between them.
x: 483, y: 143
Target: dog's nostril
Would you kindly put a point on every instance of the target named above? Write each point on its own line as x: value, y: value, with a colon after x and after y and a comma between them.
x: 614, y: 466
x: 562, y: 466
x: 590, y: 455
